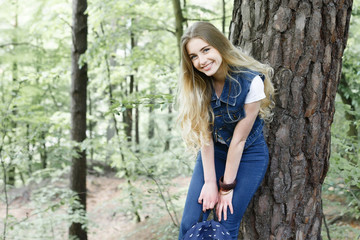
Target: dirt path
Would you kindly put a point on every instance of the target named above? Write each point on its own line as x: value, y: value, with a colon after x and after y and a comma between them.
x: 109, y: 220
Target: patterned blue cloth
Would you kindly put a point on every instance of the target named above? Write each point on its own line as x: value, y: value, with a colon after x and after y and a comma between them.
x: 208, y: 230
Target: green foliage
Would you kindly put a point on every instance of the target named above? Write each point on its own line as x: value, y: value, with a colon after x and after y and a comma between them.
x: 48, y: 213
x: 125, y: 39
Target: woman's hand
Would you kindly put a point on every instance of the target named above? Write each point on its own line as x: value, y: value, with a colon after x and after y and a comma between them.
x: 209, y: 195
x: 225, y: 201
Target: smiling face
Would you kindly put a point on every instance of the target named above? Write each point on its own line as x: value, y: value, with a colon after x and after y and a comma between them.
x: 204, y: 57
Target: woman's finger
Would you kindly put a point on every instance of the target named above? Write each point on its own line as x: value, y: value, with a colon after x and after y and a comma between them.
x: 231, y: 208
x: 204, y: 205
x: 225, y: 212
x: 217, y: 210
x: 200, y: 198
x: 220, y: 212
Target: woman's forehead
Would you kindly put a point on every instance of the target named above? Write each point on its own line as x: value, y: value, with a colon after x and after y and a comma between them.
x: 195, y: 45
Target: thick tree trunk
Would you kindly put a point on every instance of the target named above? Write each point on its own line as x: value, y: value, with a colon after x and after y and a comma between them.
x: 304, y: 42
x: 79, y: 80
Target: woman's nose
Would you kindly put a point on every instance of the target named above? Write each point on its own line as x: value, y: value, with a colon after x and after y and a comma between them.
x: 202, y: 60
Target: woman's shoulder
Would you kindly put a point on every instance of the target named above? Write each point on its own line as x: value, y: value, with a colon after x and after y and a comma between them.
x: 242, y: 73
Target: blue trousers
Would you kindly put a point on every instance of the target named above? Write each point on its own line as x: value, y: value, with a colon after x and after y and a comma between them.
x: 253, y: 165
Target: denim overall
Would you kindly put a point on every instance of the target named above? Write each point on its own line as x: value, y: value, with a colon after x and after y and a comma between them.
x: 228, y: 111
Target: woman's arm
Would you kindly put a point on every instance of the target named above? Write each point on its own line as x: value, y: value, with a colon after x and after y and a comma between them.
x: 237, y: 144
x: 209, y: 193
x: 235, y: 151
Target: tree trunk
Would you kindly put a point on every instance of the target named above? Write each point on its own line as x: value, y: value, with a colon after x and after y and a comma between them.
x: 179, y: 19
x: 129, y: 112
x: 43, y: 150
x: 151, y: 128
x: 11, y: 168
x: 14, y: 70
x: 128, y: 117
x: 137, y: 115
x: 223, y: 15
x: 304, y: 42
x: 91, y: 124
x: 28, y: 148
x: 79, y: 80
x: 169, y: 124
x: 179, y: 31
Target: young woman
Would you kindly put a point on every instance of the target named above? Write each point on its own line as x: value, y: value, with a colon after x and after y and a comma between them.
x: 224, y: 98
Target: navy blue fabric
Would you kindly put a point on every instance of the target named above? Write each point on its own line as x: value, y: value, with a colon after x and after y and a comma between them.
x: 253, y: 165
x: 208, y: 230
x: 228, y: 110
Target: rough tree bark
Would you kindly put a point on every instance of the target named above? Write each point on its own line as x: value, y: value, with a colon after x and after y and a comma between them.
x: 304, y: 42
x: 79, y: 80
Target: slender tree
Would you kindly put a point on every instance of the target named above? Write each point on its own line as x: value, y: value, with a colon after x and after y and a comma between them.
x: 223, y: 15
x: 14, y: 71
x: 79, y: 80
x: 179, y: 20
x: 137, y: 115
x: 304, y: 42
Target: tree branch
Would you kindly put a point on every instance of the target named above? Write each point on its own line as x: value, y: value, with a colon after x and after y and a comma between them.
x: 326, y: 226
x: 19, y: 44
x: 206, y: 20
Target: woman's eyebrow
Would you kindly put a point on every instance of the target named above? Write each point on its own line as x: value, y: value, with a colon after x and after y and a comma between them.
x: 204, y: 47
x: 200, y: 50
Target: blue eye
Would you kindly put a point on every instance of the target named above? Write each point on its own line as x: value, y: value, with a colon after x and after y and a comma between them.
x: 192, y: 57
x: 206, y: 50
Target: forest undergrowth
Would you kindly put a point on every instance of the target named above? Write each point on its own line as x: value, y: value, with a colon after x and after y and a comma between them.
x: 33, y: 217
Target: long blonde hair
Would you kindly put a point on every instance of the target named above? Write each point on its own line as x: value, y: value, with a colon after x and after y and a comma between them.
x: 195, y: 88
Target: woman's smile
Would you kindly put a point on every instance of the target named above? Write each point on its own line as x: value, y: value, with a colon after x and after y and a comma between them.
x: 208, y: 66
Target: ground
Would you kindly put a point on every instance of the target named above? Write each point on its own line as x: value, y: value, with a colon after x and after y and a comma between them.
x: 109, y: 219
x: 106, y: 209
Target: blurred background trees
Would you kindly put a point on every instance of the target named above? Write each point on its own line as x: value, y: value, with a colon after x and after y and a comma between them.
x: 132, y: 60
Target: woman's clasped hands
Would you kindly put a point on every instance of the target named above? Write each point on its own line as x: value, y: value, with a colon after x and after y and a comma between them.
x: 211, y: 197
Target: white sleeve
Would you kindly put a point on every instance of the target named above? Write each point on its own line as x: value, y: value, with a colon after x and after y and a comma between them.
x: 256, y: 91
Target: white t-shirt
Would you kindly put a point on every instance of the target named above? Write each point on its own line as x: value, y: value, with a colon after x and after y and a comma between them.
x: 256, y: 91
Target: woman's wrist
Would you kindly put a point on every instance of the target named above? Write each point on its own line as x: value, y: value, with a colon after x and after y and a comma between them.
x: 210, y: 181
x: 225, y: 186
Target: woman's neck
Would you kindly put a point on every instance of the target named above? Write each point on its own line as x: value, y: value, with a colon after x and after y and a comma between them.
x: 220, y: 76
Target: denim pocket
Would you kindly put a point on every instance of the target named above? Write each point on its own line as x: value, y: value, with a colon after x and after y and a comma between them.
x: 233, y: 116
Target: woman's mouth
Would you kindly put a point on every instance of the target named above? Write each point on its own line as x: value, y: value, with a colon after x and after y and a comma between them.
x: 207, y: 67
